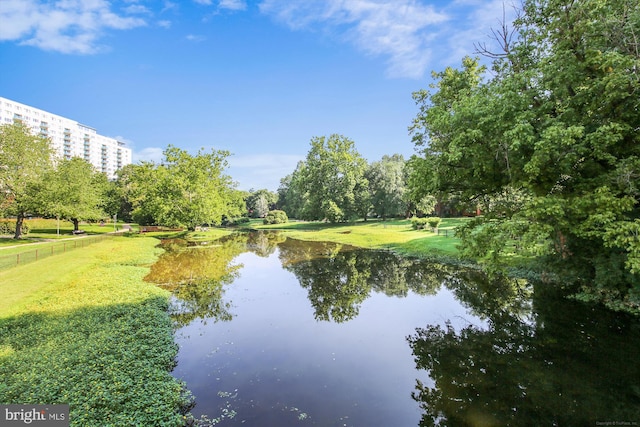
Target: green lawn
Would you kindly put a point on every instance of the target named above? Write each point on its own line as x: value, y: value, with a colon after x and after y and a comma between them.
x: 83, y: 328
x: 397, y: 235
x: 42, y: 230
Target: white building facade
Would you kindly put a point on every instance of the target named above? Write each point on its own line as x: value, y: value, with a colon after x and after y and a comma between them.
x: 68, y: 137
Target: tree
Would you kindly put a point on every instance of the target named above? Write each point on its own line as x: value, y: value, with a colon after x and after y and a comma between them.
x: 24, y: 159
x: 184, y: 190
x: 112, y: 202
x: 74, y: 191
x: 197, y: 190
x: 557, y: 124
x: 387, y: 186
x: 292, y: 196
x: 138, y: 188
x: 334, y: 180
x: 260, y: 202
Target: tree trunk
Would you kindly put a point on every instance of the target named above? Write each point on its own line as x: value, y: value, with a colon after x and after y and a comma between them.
x: 76, y: 224
x: 19, y: 221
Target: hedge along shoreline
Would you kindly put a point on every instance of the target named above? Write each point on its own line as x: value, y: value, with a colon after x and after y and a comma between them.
x: 93, y: 334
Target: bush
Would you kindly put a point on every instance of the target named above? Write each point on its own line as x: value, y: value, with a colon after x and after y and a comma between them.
x: 333, y: 212
x: 8, y: 226
x: 418, y: 223
x: 276, y: 217
x: 433, y: 221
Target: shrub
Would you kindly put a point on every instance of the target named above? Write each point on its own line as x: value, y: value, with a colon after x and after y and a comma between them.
x: 276, y: 217
x: 433, y: 221
x: 8, y: 226
x: 418, y: 223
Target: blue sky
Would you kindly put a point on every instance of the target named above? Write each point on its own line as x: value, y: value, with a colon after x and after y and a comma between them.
x: 256, y: 78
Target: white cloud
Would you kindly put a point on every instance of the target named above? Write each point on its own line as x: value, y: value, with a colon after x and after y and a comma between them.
x: 259, y: 171
x: 233, y: 4
x: 149, y: 154
x: 195, y: 38
x: 136, y: 8
x: 67, y: 26
x: 401, y: 30
x: 203, y: 2
x: 411, y: 34
x: 168, y: 6
x: 164, y: 24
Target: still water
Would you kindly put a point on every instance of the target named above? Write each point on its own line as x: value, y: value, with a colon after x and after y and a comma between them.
x: 281, y: 332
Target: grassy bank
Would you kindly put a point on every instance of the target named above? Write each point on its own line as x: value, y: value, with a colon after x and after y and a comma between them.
x: 83, y: 328
x: 395, y: 235
x: 50, y: 230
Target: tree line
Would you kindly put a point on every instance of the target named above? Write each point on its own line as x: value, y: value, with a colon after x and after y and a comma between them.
x: 336, y: 183
x: 184, y: 190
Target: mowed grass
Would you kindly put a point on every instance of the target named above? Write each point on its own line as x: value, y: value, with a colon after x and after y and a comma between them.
x: 83, y: 328
x: 44, y: 230
x: 397, y: 235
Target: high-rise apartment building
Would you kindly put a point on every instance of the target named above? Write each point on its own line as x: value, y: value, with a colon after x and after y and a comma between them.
x: 68, y: 137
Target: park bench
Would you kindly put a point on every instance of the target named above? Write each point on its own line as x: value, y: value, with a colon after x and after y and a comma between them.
x: 149, y: 228
x: 152, y: 228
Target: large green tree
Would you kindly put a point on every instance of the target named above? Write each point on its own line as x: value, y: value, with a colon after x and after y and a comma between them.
x: 24, y: 160
x: 387, y: 186
x: 74, y: 191
x: 137, y: 188
x: 292, y: 195
x: 555, y: 124
x: 184, y: 190
x: 334, y: 180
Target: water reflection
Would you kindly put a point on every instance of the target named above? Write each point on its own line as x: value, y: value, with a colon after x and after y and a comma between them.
x: 262, y: 244
x: 322, y: 328
x: 196, y: 276
x: 566, y: 364
x: 339, y: 278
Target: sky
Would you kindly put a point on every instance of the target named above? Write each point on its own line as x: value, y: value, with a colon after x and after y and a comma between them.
x: 258, y: 78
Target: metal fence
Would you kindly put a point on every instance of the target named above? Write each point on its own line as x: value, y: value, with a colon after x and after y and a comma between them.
x: 41, y: 251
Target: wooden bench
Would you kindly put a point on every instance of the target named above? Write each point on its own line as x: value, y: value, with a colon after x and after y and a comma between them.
x: 154, y: 228
x: 149, y: 229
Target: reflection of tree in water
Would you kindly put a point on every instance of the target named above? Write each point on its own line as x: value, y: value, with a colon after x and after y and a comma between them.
x: 265, y: 243
x: 340, y: 277
x: 196, y: 276
x: 571, y: 365
x: 485, y: 296
x: 336, y: 281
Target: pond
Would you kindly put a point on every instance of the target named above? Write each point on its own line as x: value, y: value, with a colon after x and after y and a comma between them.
x: 281, y: 332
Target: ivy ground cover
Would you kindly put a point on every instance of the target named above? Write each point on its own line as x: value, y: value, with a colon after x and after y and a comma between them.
x: 89, y: 332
